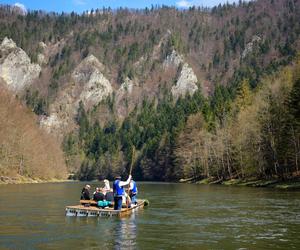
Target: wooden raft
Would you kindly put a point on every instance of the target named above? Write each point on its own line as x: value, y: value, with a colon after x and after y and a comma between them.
x: 81, y: 210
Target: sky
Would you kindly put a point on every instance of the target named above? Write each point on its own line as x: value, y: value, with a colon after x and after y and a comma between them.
x: 82, y: 5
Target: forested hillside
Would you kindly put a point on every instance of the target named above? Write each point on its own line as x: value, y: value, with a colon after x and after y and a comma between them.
x: 258, y: 137
x: 25, y: 150
x: 229, y: 41
x: 197, y: 93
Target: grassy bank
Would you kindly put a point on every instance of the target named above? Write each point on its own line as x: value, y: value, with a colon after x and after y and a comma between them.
x: 26, y: 180
x: 286, y: 184
x: 272, y: 183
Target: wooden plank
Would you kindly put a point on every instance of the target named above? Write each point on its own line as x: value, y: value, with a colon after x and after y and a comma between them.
x: 91, y: 202
x: 84, y: 208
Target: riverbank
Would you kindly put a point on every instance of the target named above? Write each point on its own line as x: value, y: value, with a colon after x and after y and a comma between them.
x: 27, y: 180
x: 287, y: 184
x: 292, y: 184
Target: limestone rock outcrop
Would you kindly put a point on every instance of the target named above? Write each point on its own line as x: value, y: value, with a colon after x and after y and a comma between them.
x: 89, y: 86
x: 126, y: 87
x: 124, y: 96
x: 51, y: 123
x: 187, y: 80
x: 16, y: 68
x: 249, y: 46
x: 41, y: 59
x: 186, y: 83
x: 95, y: 86
x: 174, y: 59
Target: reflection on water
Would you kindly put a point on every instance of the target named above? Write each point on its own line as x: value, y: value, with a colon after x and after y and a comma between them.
x: 125, y: 233
x: 180, y: 216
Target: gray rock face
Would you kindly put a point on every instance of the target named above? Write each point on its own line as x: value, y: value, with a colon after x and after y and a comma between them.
x: 123, y: 97
x: 41, y: 59
x: 42, y: 45
x: 61, y: 115
x: 186, y: 83
x: 85, y: 69
x: 96, y: 86
x: 16, y: 68
x: 249, y: 46
x: 96, y: 89
x: 157, y: 48
x: 173, y: 59
x: 8, y: 45
x: 90, y: 86
x: 126, y: 87
x: 187, y: 80
x: 52, y: 123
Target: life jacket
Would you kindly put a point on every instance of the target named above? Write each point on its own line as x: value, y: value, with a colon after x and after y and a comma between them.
x: 118, y: 191
x: 134, y: 188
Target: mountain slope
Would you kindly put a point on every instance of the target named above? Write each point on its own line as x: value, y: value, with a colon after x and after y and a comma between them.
x: 221, y: 45
x: 111, y: 80
x: 25, y: 150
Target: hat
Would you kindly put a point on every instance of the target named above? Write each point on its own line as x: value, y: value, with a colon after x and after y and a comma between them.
x: 87, y: 186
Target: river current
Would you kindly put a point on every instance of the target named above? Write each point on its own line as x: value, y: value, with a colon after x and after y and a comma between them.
x: 180, y: 216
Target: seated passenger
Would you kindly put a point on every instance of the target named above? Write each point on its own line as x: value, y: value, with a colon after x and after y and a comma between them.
x: 109, y: 196
x: 106, y: 185
x: 98, y: 195
x: 85, y: 193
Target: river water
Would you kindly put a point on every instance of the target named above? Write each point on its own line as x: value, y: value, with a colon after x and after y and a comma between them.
x: 180, y: 216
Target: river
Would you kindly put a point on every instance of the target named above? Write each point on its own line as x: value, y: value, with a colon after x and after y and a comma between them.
x: 180, y: 216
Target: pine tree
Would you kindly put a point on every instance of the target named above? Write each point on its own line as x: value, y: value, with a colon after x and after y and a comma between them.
x: 243, y: 95
x: 294, y: 122
x: 82, y: 121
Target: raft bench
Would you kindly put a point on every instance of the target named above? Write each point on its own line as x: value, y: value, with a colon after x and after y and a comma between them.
x: 88, y: 202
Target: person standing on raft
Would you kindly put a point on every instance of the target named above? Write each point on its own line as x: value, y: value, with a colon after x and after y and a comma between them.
x: 133, y: 191
x: 119, y: 192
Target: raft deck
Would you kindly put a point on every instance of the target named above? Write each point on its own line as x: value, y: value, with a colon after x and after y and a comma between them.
x: 81, y: 210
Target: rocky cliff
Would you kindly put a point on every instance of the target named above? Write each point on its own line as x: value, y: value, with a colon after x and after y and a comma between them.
x: 95, y: 86
x: 16, y: 68
x: 186, y: 83
x: 124, y: 96
x: 88, y: 85
x: 112, y: 61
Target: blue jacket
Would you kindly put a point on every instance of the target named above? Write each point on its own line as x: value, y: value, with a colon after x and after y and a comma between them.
x: 118, y: 191
x: 134, y: 189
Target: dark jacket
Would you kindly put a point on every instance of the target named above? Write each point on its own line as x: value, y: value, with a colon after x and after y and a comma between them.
x: 85, y: 194
x: 109, y: 196
x: 98, y: 196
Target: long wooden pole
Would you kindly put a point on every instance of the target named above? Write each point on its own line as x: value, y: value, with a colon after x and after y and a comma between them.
x: 130, y: 170
x: 132, y: 160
